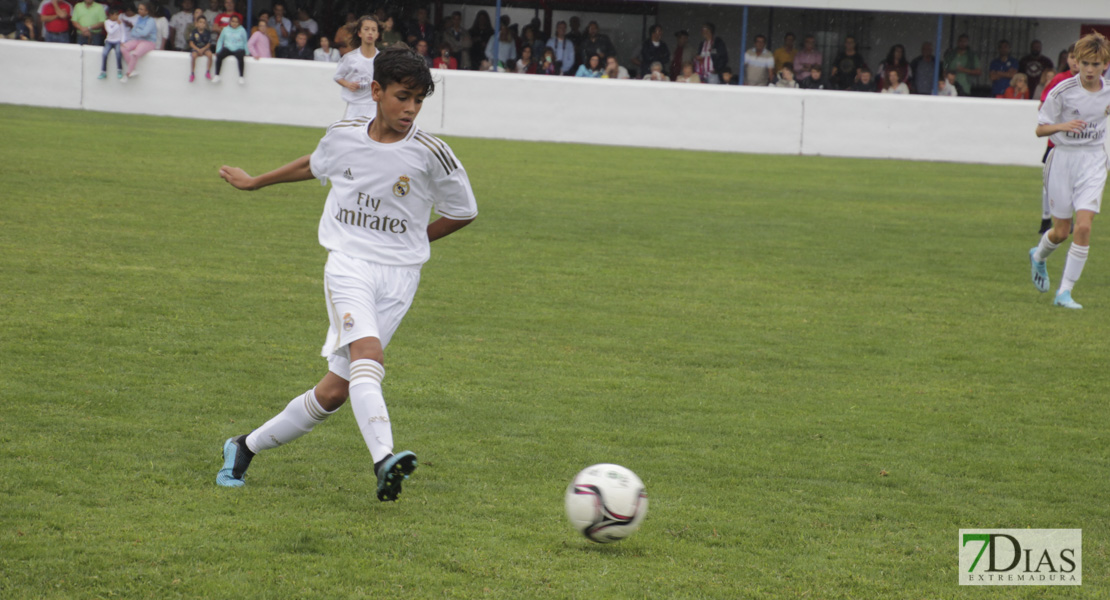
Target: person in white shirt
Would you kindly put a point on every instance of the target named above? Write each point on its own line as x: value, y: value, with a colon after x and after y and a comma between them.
x: 325, y: 53
x: 355, y: 71
x: 1074, y: 116
x: 179, y: 25
x: 114, y: 31
x: 386, y: 178
x: 306, y: 23
x: 563, y: 47
x: 759, y: 63
x: 894, y: 85
x: 947, y: 85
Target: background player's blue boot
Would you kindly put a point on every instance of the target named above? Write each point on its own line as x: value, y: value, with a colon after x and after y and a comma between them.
x: 391, y: 472
x: 237, y: 457
x: 1064, y: 299
x: 1038, y: 271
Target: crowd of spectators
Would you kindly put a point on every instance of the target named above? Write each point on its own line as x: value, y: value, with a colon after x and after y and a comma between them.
x: 569, y: 50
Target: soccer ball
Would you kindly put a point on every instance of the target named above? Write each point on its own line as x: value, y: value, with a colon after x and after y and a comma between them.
x: 606, y: 503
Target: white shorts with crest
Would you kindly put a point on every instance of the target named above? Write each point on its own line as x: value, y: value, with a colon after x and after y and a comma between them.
x: 364, y: 299
x: 1074, y: 180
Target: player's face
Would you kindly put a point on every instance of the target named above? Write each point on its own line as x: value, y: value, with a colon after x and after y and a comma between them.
x: 398, y: 105
x: 1090, y: 69
x: 368, y: 33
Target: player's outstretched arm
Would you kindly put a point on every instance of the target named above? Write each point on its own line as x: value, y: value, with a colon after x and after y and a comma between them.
x: 298, y: 170
x: 1076, y: 126
x: 443, y: 227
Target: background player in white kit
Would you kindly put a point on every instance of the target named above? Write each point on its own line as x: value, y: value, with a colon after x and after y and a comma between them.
x: 386, y: 177
x: 1074, y: 114
x: 355, y: 70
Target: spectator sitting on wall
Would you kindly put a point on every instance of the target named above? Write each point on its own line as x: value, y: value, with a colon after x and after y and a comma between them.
x: 965, y: 64
x: 785, y: 53
x: 232, y: 42
x: 300, y: 49
x: 390, y: 36
x: 306, y: 23
x: 893, y: 84
x: 688, y: 75
x: 563, y: 48
x: 113, y: 40
x: 923, y: 69
x: 457, y: 39
x: 445, y: 60
x: 420, y: 29
x: 325, y: 53
x: 1046, y: 78
x: 343, y: 35
x: 527, y: 63
x: 656, y: 73
x: 947, y: 85
x: 88, y: 20
x: 259, y: 44
x: 506, y: 49
x: 1002, y: 69
x: 284, y: 28
x: 596, y: 42
x: 613, y: 69
x: 1034, y: 63
x: 547, y: 64
x: 684, y: 52
x: 654, y: 49
x: 200, y: 44
x: 815, y: 81
x: 224, y: 18
x: 864, y: 84
x: 268, y: 31
x: 179, y: 25
x: 480, y: 32
x: 590, y: 68
x: 847, y: 66
x: 758, y: 63
x: 807, y: 57
x: 712, y: 56
x: 141, y: 39
x: 727, y: 77
x: 895, y: 61
x: 56, y: 16
x: 785, y: 77
x: 1018, y: 88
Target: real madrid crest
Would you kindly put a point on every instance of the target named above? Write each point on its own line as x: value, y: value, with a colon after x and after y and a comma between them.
x: 348, y: 322
x: 401, y: 188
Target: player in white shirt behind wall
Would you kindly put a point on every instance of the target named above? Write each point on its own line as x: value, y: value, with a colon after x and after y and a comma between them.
x: 386, y: 177
x: 1074, y: 115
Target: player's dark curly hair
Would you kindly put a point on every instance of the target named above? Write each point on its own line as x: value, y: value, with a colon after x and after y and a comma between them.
x: 399, y: 64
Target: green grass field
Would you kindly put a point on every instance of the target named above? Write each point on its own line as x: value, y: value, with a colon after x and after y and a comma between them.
x: 821, y: 368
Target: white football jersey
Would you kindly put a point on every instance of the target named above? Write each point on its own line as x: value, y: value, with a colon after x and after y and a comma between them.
x: 356, y: 67
x: 382, y: 195
x: 1069, y: 101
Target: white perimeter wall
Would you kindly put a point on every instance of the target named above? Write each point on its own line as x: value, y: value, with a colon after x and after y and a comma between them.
x: 539, y: 108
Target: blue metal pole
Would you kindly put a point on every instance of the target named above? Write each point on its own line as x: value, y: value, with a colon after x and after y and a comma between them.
x: 743, y: 48
x: 936, y: 55
x: 497, y: 38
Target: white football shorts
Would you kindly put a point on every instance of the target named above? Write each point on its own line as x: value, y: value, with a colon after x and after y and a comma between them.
x: 1074, y: 180
x: 364, y: 299
x: 369, y: 109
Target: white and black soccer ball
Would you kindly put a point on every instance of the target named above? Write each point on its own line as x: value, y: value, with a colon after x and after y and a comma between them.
x: 606, y: 503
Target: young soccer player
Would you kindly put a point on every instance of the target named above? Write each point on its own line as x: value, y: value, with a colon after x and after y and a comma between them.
x: 1074, y: 115
x: 386, y: 176
x: 356, y: 69
x: 1073, y: 68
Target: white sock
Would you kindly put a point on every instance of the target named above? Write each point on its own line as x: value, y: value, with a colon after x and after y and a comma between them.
x: 1044, y: 248
x: 1073, y: 268
x: 369, y: 406
x: 298, y: 418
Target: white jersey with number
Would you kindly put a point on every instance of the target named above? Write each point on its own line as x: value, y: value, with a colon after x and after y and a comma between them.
x: 1069, y: 101
x: 356, y: 68
x: 382, y: 195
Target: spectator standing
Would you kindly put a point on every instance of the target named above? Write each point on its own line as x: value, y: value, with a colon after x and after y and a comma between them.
x: 10, y: 16
x: 113, y: 39
x: 300, y: 50
x: 653, y: 50
x: 575, y: 34
x: 162, y: 24
x: 893, y: 83
x: 864, y: 84
x: 563, y: 48
x: 614, y: 70
x: 88, y: 20
x: 422, y: 50
x: 506, y: 50
x: 815, y: 81
x: 212, y: 12
x: 390, y: 36
x: 445, y: 60
x: 964, y: 63
x: 807, y: 57
x: 1002, y: 69
x: 56, y: 15
x: 420, y: 29
x: 224, y: 19
x: 268, y: 31
x: 596, y: 42
x: 1062, y: 61
x: 759, y: 63
x: 200, y: 44
x: 458, y: 41
x: 895, y: 61
x: 232, y: 42
x: 923, y: 68
x: 684, y: 52
x: 480, y: 33
x: 306, y: 23
x: 1034, y: 63
x: 713, y: 55
x: 325, y: 53
x: 356, y: 70
x: 1018, y: 88
x: 283, y: 26
x: 141, y: 39
x: 590, y: 68
x: 529, y: 38
x: 785, y: 53
x: 847, y: 66
x: 179, y: 25
x: 688, y: 75
x: 259, y: 43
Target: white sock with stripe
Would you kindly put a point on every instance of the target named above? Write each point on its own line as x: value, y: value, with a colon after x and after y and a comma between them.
x: 298, y: 418
x: 1044, y: 248
x: 1073, y: 268
x: 368, y: 403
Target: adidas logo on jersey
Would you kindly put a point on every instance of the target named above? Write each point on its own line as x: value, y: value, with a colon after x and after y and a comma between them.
x: 348, y: 175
